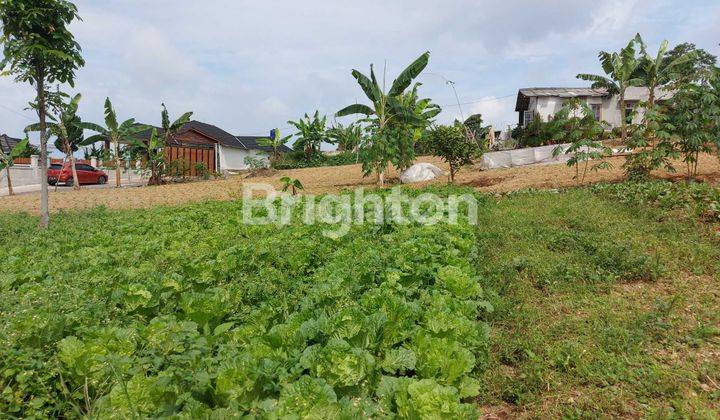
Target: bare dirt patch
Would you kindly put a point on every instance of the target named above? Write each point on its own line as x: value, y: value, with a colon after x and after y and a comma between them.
x: 485, y: 182
x: 330, y: 179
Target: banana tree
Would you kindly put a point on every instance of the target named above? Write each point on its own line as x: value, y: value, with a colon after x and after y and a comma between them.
x: 155, y: 150
x: 65, y: 126
x: 311, y: 133
x: 347, y: 138
x: 275, y: 143
x: 6, y: 160
x: 658, y: 71
x: 423, y: 111
x: 125, y: 132
x: 385, y: 114
x: 621, y: 70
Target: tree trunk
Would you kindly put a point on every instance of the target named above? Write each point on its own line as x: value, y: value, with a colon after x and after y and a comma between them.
x: 76, y: 181
x: 623, y: 125
x: 117, y: 163
x: 452, y: 174
x: 10, y: 188
x: 650, y: 107
x: 44, y: 202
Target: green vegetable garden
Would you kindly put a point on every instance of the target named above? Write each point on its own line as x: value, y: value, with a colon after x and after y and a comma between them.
x: 598, y: 301
x: 186, y: 311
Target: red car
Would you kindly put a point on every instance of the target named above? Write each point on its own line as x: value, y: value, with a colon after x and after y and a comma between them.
x: 86, y: 174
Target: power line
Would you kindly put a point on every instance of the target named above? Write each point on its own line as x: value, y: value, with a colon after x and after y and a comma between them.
x: 17, y: 113
x: 481, y: 100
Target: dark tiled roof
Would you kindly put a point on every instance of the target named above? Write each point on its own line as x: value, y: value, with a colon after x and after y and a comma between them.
x: 7, y: 143
x: 214, y: 132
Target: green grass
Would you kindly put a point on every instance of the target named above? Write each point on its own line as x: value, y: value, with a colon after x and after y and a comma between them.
x: 598, y: 312
x: 602, y: 307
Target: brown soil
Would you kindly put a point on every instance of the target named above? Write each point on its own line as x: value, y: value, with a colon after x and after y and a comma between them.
x: 333, y: 179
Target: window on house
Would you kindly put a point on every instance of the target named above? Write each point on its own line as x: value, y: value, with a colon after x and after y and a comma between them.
x: 527, y: 118
x: 597, y: 110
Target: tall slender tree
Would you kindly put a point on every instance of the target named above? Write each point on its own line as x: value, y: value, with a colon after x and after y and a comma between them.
x: 124, y: 132
x: 621, y: 70
x: 39, y: 49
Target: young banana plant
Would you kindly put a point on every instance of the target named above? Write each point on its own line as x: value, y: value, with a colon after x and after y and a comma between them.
x: 6, y: 160
x: 125, y: 132
x: 386, y: 110
x: 275, y: 143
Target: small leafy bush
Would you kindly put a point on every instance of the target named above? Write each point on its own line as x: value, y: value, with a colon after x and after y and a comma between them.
x: 298, y: 160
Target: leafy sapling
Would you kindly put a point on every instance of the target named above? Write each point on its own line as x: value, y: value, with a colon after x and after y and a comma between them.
x: 577, y: 125
x: 291, y: 184
x: 453, y: 145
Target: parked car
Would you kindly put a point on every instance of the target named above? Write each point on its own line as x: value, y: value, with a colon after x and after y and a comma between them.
x: 86, y: 174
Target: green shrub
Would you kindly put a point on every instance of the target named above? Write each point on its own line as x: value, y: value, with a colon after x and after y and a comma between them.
x: 298, y: 160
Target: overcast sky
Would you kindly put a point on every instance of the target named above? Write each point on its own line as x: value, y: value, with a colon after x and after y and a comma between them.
x: 249, y: 66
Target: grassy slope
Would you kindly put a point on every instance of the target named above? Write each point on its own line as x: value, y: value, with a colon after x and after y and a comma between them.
x: 600, y: 308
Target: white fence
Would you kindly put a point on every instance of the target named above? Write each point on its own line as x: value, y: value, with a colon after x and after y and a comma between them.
x: 523, y: 157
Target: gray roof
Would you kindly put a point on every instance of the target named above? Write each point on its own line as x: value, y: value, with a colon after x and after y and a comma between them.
x: 7, y: 143
x: 524, y: 95
x: 632, y: 93
x: 563, y: 92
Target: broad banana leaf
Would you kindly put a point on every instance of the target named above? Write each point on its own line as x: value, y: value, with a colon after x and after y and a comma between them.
x: 93, y: 139
x: 355, y: 109
x: 110, y: 116
x: 411, y: 72
x: 371, y: 89
x: 7, y: 160
x: 94, y: 127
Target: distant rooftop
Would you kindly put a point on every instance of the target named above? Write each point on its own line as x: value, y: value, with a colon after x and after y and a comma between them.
x: 7, y: 143
x: 563, y: 92
x: 632, y: 93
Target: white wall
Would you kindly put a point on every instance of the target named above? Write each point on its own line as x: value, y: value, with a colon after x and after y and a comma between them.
x: 232, y: 159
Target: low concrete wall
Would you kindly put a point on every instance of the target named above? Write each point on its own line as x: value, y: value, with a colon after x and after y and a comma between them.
x: 23, y: 175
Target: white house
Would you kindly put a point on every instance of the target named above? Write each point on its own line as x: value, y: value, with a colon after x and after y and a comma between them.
x: 546, y: 102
